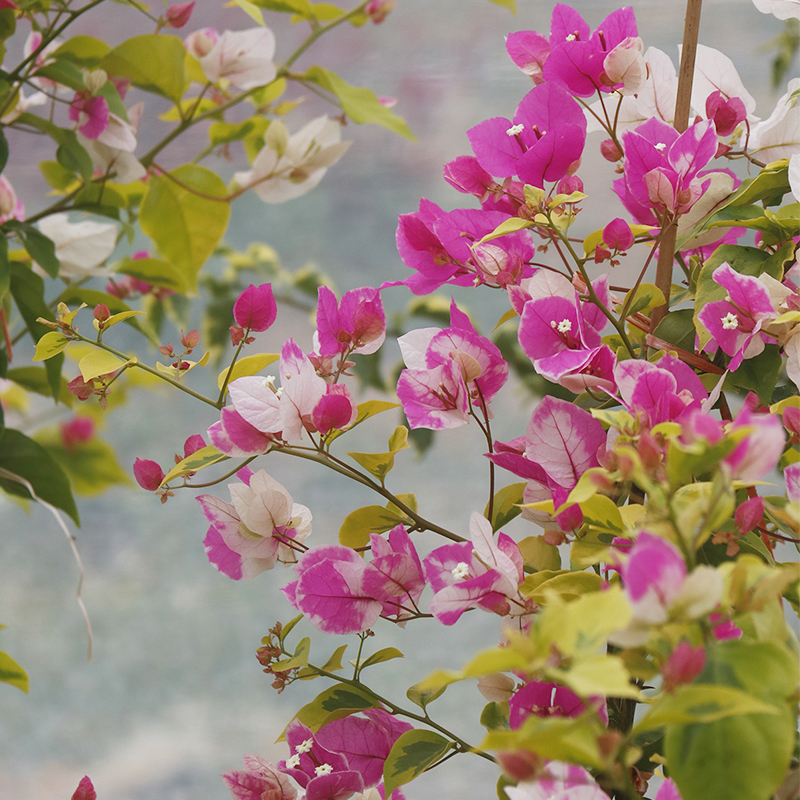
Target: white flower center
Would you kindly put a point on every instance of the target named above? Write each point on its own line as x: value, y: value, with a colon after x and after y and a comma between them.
x: 269, y: 382
x: 304, y: 747
x: 279, y: 391
x: 460, y: 571
x: 571, y: 37
x: 323, y: 769
x: 293, y: 762
x: 730, y: 322
x: 565, y: 326
x: 660, y: 147
x: 515, y: 129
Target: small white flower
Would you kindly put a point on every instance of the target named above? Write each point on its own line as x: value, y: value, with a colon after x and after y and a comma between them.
x: 461, y: 571
x: 660, y: 147
x: 730, y: 322
x: 515, y: 129
x: 565, y: 326
x: 279, y: 391
x: 552, y: 323
x: 572, y: 37
x: 304, y: 747
x: 323, y: 769
x: 269, y: 382
x: 293, y: 762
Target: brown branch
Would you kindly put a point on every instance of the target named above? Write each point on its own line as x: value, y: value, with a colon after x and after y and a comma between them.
x: 666, y: 247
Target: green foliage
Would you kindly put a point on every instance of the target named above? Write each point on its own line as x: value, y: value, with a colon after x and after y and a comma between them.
x: 185, y: 227
x: 335, y: 703
x: 505, y: 506
x: 745, y: 756
x: 360, y: 104
x: 12, y: 673
x: 359, y: 524
x: 411, y: 755
x: 153, y: 62
x: 379, y: 464
x: 23, y: 457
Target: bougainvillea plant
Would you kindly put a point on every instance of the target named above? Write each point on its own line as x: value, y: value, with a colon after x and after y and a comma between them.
x: 654, y: 487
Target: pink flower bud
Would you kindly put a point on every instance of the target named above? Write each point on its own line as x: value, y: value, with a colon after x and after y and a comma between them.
x: 85, y: 790
x: 570, y: 184
x: 101, y: 312
x: 618, y: 235
x: 255, y: 309
x: 178, y: 14
x: 148, y: 474
x: 726, y: 112
x: 378, y: 10
x: 193, y: 444
x: 139, y: 254
x: 683, y: 666
x: 610, y: 151
x: 76, y: 431
x: 749, y: 514
x: 10, y: 206
x: 520, y: 765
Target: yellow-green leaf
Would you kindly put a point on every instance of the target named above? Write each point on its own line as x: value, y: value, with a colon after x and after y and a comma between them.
x: 12, y: 673
x: 360, y: 104
x: 99, y: 362
x: 51, y: 344
x: 183, y: 220
x: 510, y: 225
x: 200, y: 459
x: 249, y: 365
x: 366, y: 410
x: 411, y: 755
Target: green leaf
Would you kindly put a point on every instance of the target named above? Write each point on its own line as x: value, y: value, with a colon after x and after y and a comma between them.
x: 5, y: 268
x: 92, y: 466
x: 366, y: 410
x: 3, y: 150
x: 224, y: 132
x: 27, y: 289
x: 360, y: 104
x: 249, y: 365
x: 251, y: 10
x: 359, y: 524
x: 11, y: 672
x: 699, y: 703
x: 644, y: 298
x: 335, y: 703
x: 511, y: 5
x: 75, y: 295
x: 200, y: 459
x: 771, y: 184
x: 387, y: 654
x: 411, y: 755
x: 677, y: 328
x: 26, y: 458
x: 156, y: 272
x: 85, y: 51
x: 334, y: 663
x: 35, y: 379
x: 153, y: 62
x: 41, y: 249
x: 510, y: 225
x: 185, y: 228
x: 380, y: 464
x: 539, y: 554
x: 299, y: 659
x: 63, y: 72
x: 745, y: 756
x: 72, y: 155
x: 760, y: 374
x: 51, y: 344
x: 422, y: 697
x: 56, y: 175
x: 495, y: 716
x: 505, y: 506
x: 99, y: 362
x: 301, y: 7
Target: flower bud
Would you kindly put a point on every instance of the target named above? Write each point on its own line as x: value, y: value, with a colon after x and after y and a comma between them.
x: 148, y: 474
x: 101, y: 312
x: 75, y: 432
x: 201, y: 43
x: 570, y: 184
x: 178, y: 14
x: 378, y: 10
x: 255, y: 309
x: 610, y: 151
x: 683, y: 666
x: 190, y: 340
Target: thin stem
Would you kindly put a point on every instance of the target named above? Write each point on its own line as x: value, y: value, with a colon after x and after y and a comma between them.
x: 327, y: 460
x: 224, y: 389
x: 161, y: 376
x: 399, y: 710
